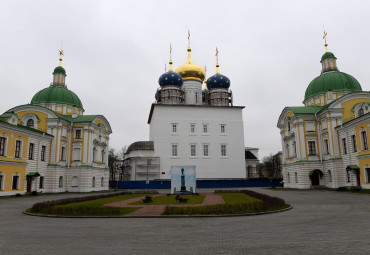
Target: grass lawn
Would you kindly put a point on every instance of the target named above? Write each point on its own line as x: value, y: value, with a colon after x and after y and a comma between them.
x: 170, y: 200
x: 92, y: 207
x: 237, y: 198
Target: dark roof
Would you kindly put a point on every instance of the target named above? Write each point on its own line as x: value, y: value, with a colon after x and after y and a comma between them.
x: 249, y: 155
x: 141, y: 145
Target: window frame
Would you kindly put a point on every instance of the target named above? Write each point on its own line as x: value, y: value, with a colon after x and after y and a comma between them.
x: 223, y: 151
x: 344, y: 144
x: 311, y: 148
x: 41, y: 182
x: 17, y: 183
x: 193, y: 150
x: 31, y: 149
x: 78, y: 134
x: 3, y: 142
x: 174, y: 150
x: 223, y: 129
x: 354, y: 143
x: 43, y: 153
x: 205, y: 128
x: 18, y: 149
x: 364, y: 140
x: 205, y: 149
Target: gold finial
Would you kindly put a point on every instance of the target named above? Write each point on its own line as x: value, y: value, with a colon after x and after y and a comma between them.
x: 205, y: 75
x: 324, y: 37
x: 61, y: 53
x: 171, y: 68
x: 217, y: 65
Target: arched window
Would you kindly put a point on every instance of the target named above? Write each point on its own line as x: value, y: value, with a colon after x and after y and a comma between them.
x: 361, y: 112
x: 296, y: 177
x: 94, y: 154
x: 102, y: 155
x: 330, y: 178
x: 288, y: 177
x: 102, y: 182
x: 74, y: 181
x: 93, y: 181
x: 60, y: 181
x: 30, y: 123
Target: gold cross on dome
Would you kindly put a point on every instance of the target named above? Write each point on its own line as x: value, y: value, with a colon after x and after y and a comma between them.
x: 217, y: 55
x: 324, y: 37
x: 189, y: 37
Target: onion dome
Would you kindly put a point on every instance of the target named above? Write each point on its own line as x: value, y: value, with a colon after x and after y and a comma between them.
x: 331, y: 79
x: 218, y: 80
x: 57, y: 94
x: 170, y: 78
x: 189, y: 70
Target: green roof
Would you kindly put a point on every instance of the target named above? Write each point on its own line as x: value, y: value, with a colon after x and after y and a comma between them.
x: 334, y: 81
x: 78, y: 119
x: 327, y: 55
x: 305, y: 109
x: 57, y: 94
x: 59, y: 69
x: 25, y: 127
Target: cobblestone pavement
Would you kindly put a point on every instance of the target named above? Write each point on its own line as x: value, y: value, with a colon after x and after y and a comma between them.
x: 321, y: 222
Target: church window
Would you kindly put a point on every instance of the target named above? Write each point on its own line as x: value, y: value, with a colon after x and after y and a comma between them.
x: 205, y: 150
x: 43, y: 152
x: 295, y: 149
x: 94, y: 154
x: 74, y: 181
x: 367, y: 173
x: 287, y: 150
x: 361, y: 112
x: 2, y: 177
x: 174, y: 150
x: 78, y: 134
x: 223, y: 150
x: 15, y: 182
x: 93, y: 181
x: 63, y: 154
x: 344, y: 146
x: 193, y: 151
x: 60, y: 181
x: 102, y: 155
x: 296, y: 177
x: 30, y: 150
x: 354, y: 143
x: 18, y: 149
x: 205, y: 128
x: 288, y: 125
x: 41, y: 183
x: 288, y: 177
x: 348, y: 176
x: 364, y: 140
x: 102, y: 182
x: 174, y: 128
x: 2, y: 146
x: 326, y: 146
x: 311, y: 148
x: 192, y: 128
x: 30, y: 123
x: 223, y: 128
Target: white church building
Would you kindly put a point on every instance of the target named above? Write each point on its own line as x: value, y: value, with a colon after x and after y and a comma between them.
x: 190, y: 126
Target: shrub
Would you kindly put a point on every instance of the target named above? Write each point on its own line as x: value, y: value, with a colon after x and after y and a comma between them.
x: 147, y: 199
x: 341, y: 188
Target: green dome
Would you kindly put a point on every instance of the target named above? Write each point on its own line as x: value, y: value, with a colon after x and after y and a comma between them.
x: 59, y: 69
x: 57, y: 94
x: 327, y: 55
x: 334, y: 81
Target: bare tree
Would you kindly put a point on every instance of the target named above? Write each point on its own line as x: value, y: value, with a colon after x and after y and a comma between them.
x: 272, y: 166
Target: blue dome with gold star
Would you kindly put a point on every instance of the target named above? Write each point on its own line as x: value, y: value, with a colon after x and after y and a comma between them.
x: 218, y: 81
x: 170, y: 78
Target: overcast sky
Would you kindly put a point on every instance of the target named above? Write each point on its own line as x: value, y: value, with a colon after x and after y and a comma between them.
x: 115, y: 52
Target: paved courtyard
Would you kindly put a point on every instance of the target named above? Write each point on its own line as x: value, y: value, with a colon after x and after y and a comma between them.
x: 321, y: 222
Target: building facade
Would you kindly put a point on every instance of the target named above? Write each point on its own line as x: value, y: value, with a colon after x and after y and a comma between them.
x: 323, y: 142
x: 72, y: 148
x: 193, y: 126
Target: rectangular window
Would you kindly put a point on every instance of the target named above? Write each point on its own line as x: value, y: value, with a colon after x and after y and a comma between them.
x: 344, y: 146
x: 354, y: 143
x: 63, y: 154
x: 15, y: 183
x: 326, y: 144
x: 192, y: 128
x: 223, y: 150
x: 18, y: 149
x: 43, y: 151
x: 2, y: 146
x: 311, y: 148
x: 205, y: 128
x: 174, y: 128
x: 41, y: 184
x: 193, y: 151
x: 30, y: 151
x: 205, y: 150
x: 364, y: 140
x: 223, y: 129
x: 367, y: 173
x: 78, y: 134
x: 174, y: 150
x: 1, y: 182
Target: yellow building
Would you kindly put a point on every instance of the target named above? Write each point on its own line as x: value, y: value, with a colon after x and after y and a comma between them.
x: 325, y: 142
x: 70, y: 148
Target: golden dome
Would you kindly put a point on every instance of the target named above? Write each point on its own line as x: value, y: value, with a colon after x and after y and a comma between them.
x: 189, y: 70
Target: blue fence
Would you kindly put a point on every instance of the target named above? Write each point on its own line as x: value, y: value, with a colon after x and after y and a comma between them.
x: 200, y: 184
